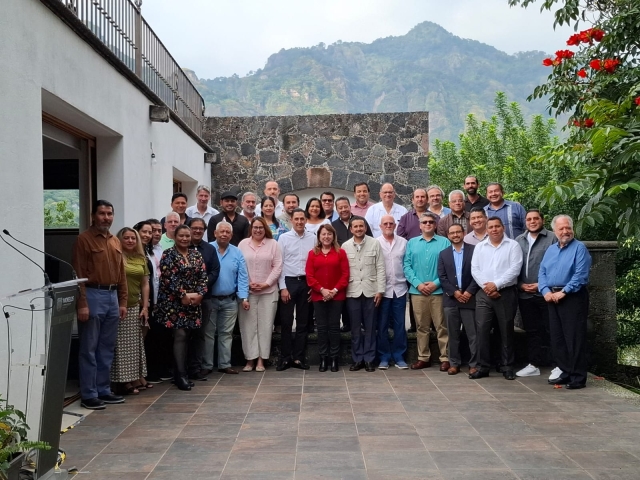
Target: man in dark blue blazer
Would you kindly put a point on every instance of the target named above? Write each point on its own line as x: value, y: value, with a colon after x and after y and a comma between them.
x: 459, y: 301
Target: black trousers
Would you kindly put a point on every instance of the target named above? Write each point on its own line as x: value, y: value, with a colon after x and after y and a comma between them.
x: 158, y: 347
x: 328, y: 320
x: 364, y: 318
x: 535, y: 316
x: 456, y: 317
x: 504, y: 308
x: 568, y: 328
x: 293, y: 349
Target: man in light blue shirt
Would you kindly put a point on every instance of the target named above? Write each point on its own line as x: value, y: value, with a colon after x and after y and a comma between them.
x: 562, y: 280
x: 421, y: 270
x: 231, y: 287
x: 511, y: 213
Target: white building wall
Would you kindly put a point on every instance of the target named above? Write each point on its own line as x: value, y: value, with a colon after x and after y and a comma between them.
x: 47, y: 67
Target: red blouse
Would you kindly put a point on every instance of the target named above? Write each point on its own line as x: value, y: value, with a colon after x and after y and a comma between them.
x: 327, y: 271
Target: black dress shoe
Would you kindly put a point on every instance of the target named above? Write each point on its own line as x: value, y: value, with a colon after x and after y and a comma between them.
x: 182, y: 383
x: 199, y: 376
x: 299, y: 365
x: 479, y: 374
x: 111, y: 399
x: 356, y: 366
x: 323, y: 364
x: 509, y: 375
x: 559, y: 381
x: 283, y: 365
x: 369, y: 367
x: 334, y: 364
x: 93, y: 404
x: 575, y: 386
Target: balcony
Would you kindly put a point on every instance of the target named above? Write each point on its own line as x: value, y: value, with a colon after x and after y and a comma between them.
x: 117, y: 30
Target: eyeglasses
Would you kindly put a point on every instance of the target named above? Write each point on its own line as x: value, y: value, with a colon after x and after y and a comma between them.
x: 388, y: 224
x: 327, y: 200
x: 257, y: 228
x: 427, y: 222
x: 197, y: 229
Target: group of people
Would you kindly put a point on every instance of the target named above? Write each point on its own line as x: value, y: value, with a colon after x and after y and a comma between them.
x: 179, y: 285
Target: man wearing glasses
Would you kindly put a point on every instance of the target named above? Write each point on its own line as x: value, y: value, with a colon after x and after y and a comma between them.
x: 327, y: 199
x: 421, y: 270
x: 386, y: 206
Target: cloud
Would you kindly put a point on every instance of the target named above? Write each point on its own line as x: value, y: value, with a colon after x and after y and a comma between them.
x: 223, y: 37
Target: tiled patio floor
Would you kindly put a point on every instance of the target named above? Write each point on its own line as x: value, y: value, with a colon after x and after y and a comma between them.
x: 358, y: 425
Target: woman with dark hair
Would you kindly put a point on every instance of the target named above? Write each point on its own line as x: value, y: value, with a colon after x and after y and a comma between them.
x: 129, y: 360
x: 263, y: 257
x: 267, y: 211
x: 145, y: 230
x: 315, y: 215
x: 183, y: 283
x: 327, y: 273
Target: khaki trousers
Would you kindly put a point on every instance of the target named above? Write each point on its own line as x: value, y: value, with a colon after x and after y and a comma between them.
x: 256, y: 325
x: 428, y: 310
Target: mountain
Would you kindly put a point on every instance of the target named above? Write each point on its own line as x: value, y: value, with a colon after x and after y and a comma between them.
x: 426, y: 69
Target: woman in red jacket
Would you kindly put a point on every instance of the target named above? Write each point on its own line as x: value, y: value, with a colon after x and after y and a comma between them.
x: 327, y: 272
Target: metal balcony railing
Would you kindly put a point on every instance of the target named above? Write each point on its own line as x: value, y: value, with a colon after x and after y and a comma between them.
x: 119, y: 25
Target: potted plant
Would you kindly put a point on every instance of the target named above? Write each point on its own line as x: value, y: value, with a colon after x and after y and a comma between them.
x: 13, y: 441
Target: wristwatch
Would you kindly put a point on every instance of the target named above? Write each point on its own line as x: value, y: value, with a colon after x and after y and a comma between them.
x: 243, y: 300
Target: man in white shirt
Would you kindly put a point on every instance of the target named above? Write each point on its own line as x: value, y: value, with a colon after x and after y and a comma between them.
x: 248, y: 204
x: 294, y: 291
x: 394, y: 302
x: 435, y: 195
x: 478, y: 221
x: 272, y: 189
x: 364, y: 293
x: 495, y: 267
x: 202, y: 209
x: 386, y: 206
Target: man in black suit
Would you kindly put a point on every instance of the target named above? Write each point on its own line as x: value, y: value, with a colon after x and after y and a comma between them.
x: 459, y: 301
x: 343, y: 207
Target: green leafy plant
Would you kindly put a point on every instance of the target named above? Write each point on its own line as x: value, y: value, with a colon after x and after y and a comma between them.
x: 13, y: 435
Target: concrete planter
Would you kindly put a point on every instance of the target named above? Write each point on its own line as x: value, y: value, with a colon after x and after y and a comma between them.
x: 13, y: 472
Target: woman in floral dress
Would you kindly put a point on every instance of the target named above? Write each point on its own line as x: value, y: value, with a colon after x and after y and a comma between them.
x: 183, y: 282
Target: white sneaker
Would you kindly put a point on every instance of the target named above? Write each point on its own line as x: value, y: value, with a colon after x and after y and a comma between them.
x: 555, y: 374
x: 528, y: 371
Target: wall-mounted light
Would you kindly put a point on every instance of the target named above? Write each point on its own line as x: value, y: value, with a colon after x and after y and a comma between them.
x: 153, y: 155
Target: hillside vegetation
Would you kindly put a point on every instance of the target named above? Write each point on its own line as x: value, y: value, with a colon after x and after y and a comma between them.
x: 426, y: 69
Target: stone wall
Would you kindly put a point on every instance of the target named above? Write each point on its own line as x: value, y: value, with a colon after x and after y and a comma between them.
x: 320, y: 151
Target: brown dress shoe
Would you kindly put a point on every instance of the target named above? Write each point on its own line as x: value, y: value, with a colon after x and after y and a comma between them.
x: 228, y: 371
x: 453, y: 370
x: 420, y: 364
x: 472, y: 370
x: 445, y: 366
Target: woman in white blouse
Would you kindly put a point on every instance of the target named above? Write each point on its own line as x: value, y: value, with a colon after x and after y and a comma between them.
x: 315, y: 215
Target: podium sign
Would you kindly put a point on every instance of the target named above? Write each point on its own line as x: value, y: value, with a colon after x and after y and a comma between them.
x: 59, y: 318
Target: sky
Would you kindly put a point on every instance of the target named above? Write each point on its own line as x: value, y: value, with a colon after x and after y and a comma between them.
x: 217, y: 38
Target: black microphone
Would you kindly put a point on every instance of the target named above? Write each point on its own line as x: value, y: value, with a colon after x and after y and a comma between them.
x: 47, y: 282
x: 73, y: 272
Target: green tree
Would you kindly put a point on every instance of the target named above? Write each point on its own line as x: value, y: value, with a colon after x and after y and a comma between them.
x: 58, y: 215
x: 598, y: 83
x: 499, y: 150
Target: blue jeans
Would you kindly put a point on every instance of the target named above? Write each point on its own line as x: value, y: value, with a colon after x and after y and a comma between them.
x: 392, y: 311
x: 222, y: 319
x: 98, y: 337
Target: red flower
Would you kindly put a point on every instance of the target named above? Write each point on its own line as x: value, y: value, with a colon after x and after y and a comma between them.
x: 582, y: 73
x: 576, y: 123
x: 564, y: 54
x: 637, y: 101
x: 595, y: 64
x: 588, y: 123
x: 610, y: 64
x: 597, y: 34
x: 547, y: 62
x: 574, y: 39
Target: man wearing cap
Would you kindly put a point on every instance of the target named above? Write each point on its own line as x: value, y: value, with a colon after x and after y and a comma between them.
x: 239, y: 224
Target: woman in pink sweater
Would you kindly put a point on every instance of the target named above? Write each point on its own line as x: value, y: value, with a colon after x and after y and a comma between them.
x: 264, y: 263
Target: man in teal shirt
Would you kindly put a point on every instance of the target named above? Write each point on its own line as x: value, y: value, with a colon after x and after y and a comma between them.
x: 421, y: 270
